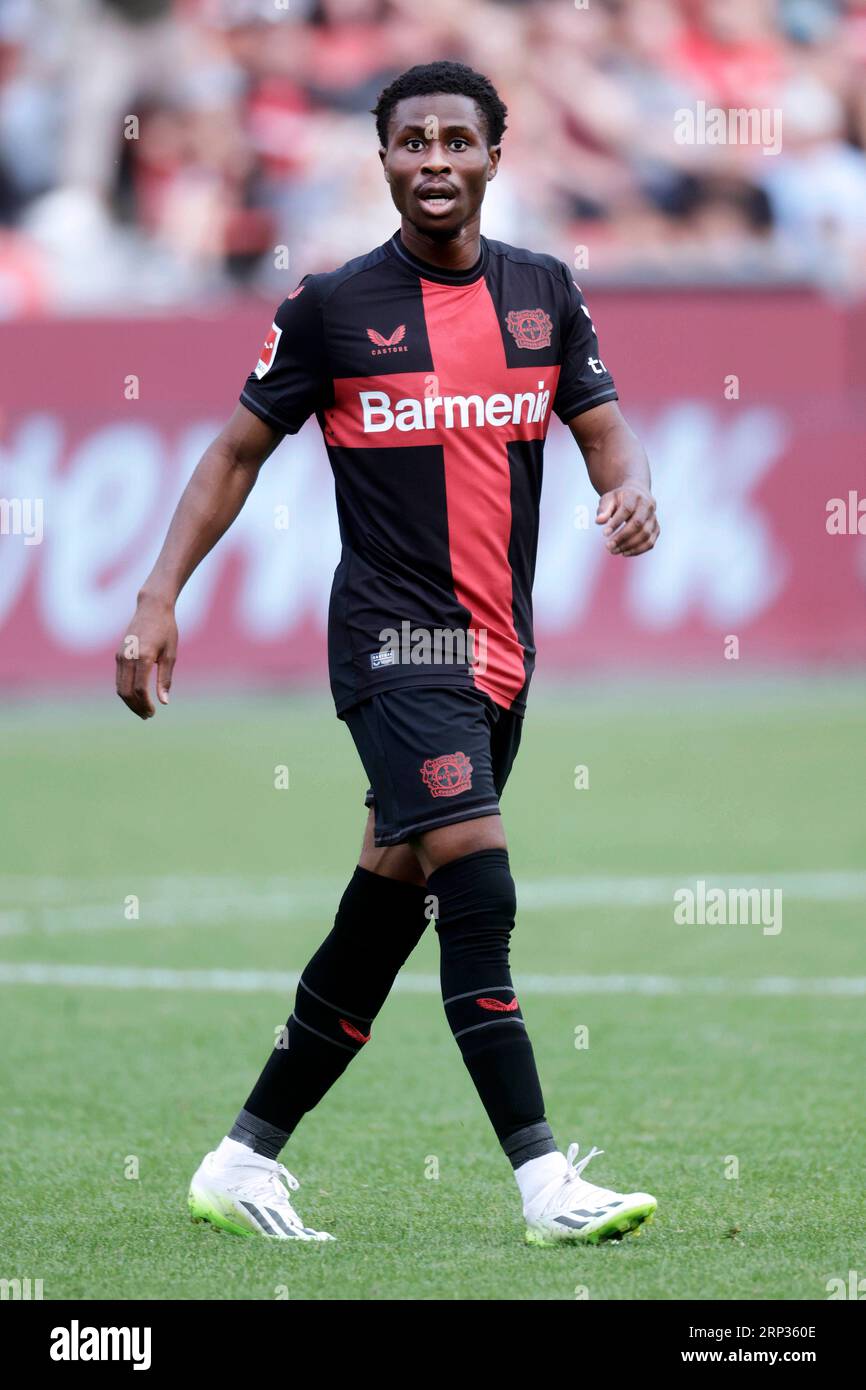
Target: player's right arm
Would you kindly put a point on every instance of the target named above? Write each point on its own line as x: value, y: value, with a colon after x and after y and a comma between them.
x: 290, y: 381
x: 212, y: 499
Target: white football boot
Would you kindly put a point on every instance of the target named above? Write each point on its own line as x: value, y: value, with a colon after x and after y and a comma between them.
x: 570, y: 1208
x: 248, y: 1195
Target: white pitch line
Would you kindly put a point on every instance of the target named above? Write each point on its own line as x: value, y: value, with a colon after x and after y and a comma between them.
x: 283, y: 982
x: 658, y: 890
x: 52, y: 906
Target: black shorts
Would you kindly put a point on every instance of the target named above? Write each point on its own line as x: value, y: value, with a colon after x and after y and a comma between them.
x: 434, y: 754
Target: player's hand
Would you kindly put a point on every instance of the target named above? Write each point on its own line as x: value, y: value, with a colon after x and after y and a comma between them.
x: 628, y: 515
x: 151, y: 639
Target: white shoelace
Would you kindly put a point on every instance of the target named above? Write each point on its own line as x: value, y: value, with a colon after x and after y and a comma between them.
x: 575, y: 1170
x: 270, y: 1182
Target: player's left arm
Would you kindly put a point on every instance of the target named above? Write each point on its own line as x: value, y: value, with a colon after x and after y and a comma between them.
x: 619, y: 470
x: 585, y: 400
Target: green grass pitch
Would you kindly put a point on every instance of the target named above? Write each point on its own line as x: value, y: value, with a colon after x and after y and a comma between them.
x: 112, y: 1095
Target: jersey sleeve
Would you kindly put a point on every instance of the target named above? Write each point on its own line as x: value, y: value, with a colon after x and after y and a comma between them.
x: 289, y: 382
x: 584, y: 380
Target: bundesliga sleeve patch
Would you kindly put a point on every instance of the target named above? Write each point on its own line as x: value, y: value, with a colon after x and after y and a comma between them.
x: 268, y: 352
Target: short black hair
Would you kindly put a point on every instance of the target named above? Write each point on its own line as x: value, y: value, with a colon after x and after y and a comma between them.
x: 427, y: 78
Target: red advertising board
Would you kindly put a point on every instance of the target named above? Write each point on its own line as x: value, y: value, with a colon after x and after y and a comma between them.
x: 751, y: 405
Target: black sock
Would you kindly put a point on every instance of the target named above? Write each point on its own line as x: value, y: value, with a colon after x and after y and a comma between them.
x: 379, y: 923
x: 476, y: 908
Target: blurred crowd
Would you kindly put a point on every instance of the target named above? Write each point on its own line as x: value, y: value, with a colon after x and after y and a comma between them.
x: 159, y: 153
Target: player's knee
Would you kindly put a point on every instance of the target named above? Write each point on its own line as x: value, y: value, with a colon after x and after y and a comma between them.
x: 474, y: 895
x: 440, y: 847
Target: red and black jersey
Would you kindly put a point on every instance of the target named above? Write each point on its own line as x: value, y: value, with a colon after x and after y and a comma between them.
x: 433, y: 391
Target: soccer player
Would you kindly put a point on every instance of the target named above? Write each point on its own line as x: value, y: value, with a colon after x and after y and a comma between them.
x: 433, y: 365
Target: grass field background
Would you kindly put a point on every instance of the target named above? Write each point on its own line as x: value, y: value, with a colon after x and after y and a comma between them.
x: 694, y: 1056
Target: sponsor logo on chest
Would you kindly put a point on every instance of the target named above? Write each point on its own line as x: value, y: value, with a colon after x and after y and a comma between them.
x: 381, y: 413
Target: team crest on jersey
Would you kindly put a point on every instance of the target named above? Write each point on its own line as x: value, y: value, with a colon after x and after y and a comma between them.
x: 268, y: 352
x: 530, y: 328
x: 383, y: 344
x: 448, y: 775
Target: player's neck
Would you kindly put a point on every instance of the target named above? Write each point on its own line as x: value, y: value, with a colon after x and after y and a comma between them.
x: 460, y: 252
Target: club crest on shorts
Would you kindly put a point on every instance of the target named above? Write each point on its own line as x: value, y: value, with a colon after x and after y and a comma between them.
x: 448, y: 775
x: 530, y: 328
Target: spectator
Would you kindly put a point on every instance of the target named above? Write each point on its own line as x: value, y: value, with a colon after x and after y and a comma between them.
x: 252, y: 137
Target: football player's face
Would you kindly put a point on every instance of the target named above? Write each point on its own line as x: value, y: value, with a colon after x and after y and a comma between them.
x: 438, y: 163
